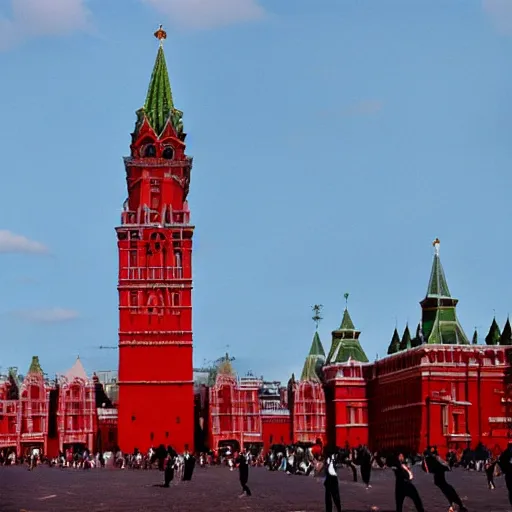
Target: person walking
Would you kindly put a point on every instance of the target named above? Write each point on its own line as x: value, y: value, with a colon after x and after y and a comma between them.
x: 434, y: 464
x: 243, y: 472
x: 404, y: 488
x: 331, y: 483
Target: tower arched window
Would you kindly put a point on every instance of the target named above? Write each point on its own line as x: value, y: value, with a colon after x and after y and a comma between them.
x: 150, y: 151
x: 175, y: 299
x: 168, y: 153
x: 177, y: 259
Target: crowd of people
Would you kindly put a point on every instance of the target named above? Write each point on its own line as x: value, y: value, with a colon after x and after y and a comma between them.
x: 300, y: 459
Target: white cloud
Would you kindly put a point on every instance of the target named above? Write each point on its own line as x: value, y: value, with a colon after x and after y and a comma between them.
x: 500, y: 13
x: 202, y: 14
x: 12, y: 243
x: 34, y: 18
x: 52, y: 315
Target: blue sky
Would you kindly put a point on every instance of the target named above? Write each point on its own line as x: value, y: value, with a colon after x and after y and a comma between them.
x: 333, y: 140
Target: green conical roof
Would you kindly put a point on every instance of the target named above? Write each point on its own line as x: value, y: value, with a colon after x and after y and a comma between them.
x: 474, y: 341
x: 159, y: 105
x: 345, y: 343
x: 346, y: 322
x: 506, y: 335
x: 317, y: 348
x: 437, y: 285
x: 494, y: 335
x: 314, y: 361
x: 394, y: 346
x: 35, y: 367
x: 405, y: 343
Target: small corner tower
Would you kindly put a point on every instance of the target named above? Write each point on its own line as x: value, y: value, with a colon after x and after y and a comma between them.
x: 156, y: 397
x: 308, y: 402
x: 440, y: 324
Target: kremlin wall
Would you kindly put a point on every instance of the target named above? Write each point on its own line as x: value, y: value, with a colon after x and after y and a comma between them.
x: 434, y: 388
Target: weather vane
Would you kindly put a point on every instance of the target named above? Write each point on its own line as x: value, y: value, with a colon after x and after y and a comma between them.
x: 346, y: 295
x: 161, y: 34
x: 317, y: 316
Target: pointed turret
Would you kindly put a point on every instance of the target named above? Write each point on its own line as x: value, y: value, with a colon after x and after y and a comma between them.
x: 77, y: 371
x: 225, y: 367
x: 418, y: 337
x: 159, y: 106
x: 345, y: 343
x: 314, y: 361
x: 405, y: 343
x: 394, y: 346
x: 35, y: 367
x: 494, y: 335
x: 440, y: 324
x: 474, y: 341
x: 506, y: 335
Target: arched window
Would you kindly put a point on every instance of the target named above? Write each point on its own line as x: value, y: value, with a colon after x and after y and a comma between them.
x: 175, y: 299
x: 168, y: 153
x: 150, y: 151
x: 177, y: 258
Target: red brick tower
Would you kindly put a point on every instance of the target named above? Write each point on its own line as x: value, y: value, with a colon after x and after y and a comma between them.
x: 156, y: 397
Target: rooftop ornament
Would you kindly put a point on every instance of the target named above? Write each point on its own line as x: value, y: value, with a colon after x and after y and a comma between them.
x: 161, y: 34
x: 436, y: 244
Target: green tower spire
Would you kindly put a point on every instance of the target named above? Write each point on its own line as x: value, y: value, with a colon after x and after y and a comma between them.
x: 345, y: 342
x: 506, y: 335
x: 440, y: 324
x: 314, y: 361
x: 474, y: 341
x: 159, y: 105
x: 35, y: 367
x: 394, y: 346
x: 405, y: 343
x: 494, y: 335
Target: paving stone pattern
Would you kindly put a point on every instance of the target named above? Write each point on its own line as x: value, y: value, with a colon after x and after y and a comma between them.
x: 111, y: 490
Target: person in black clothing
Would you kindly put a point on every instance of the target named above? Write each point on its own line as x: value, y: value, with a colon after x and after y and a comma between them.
x: 188, y: 464
x: 505, y: 463
x: 243, y: 471
x: 169, y: 466
x: 438, y: 467
x: 404, y: 488
x: 490, y: 466
x: 331, y: 484
x: 364, y: 457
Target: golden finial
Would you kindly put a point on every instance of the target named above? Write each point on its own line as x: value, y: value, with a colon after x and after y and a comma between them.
x: 161, y: 34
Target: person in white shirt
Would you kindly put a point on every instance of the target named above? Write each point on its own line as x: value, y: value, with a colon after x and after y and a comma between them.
x: 331, y: 484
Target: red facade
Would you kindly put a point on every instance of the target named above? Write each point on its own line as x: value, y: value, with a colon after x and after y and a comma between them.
x: 156, y: 397
x: 347, y: 403
x: 449, y: 396
x: 76, y: 409
x: 309, y: 416
x: 53, y: 416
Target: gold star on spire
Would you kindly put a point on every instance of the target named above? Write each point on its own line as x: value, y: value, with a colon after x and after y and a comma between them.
x: 161, y: 34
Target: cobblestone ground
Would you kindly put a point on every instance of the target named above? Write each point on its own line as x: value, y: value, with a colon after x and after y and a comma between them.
x: 105, y: 490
